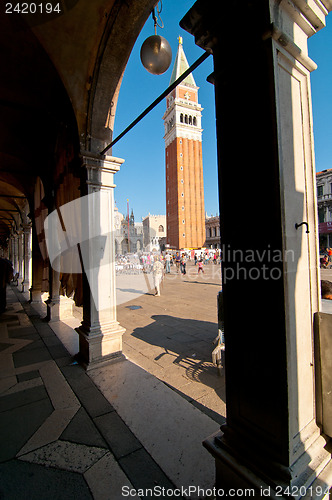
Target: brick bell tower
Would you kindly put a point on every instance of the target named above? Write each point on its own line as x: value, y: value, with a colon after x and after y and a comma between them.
x: 185, y: 214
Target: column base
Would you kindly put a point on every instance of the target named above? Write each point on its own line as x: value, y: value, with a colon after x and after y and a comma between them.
x: 25, y: 285
x: 310, y: 476
x: 35, y: 296
x: 66, y: 307
x: 53, y: 309
x: 100, y: 345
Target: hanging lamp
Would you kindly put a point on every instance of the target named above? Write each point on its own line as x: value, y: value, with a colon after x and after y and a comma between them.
x: 156, y: 52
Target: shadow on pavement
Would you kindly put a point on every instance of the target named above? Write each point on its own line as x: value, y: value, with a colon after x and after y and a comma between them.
x: 190, y: 343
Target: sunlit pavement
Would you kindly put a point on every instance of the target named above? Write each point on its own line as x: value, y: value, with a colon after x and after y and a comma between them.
x: 172, y: 336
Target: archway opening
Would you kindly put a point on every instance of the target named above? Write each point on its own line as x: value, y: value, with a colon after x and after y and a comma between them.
x: 186, y: 343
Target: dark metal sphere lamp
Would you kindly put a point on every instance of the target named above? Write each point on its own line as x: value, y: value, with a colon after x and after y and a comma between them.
x: 156, y: 52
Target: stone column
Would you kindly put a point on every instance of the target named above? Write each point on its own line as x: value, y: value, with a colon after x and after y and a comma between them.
x: 37, y: 270
x: 10, y: 249
x: 53, y: 301
x: 20, y: 256
x: 270, y: 262
x: 26, y: 257
x: 15, y: 252
x: 100, y: 333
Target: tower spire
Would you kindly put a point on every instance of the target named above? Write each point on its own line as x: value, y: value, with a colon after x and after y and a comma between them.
x: 180, y: 66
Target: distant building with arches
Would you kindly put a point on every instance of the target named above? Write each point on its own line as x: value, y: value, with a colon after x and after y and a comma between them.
x: 212, y: 228
x: 135, y: 243
x: 154, y: 232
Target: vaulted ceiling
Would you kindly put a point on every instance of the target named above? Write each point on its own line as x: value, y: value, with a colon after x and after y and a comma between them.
x: 59, y: 71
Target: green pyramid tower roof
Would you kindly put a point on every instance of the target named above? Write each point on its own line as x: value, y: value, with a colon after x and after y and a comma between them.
x: 180, y: 66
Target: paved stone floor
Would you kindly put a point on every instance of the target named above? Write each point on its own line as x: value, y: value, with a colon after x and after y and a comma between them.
x: 65, y: 432
x: 137, y: 423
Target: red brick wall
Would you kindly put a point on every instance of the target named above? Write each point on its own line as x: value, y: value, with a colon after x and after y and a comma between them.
x: 192, y: 189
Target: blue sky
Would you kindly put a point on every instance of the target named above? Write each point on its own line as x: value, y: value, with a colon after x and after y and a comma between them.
x: 320, y: 50
x: 142, y: 176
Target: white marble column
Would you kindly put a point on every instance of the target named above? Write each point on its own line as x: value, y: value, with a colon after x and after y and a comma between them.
x: 271, y: 287
x: 100, y: 333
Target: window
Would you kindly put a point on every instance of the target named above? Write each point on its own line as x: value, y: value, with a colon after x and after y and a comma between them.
x: 195, y: 121
x: 321, y: 214
x: 190, y: 120
x: 183, y: 222
x: 181, y: 118
x: 319, y: 190
x: 161, y: 229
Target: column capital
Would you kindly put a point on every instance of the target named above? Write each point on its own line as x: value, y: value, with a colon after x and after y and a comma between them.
x: 92, y: 160
x: 26, y: 228
x: 202, y: 22
x: 100, y: 169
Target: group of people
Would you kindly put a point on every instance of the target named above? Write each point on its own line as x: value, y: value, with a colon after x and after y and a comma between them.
x: 180, y: 261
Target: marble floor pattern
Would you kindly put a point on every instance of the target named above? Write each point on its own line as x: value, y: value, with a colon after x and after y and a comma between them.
x: 66, y: 434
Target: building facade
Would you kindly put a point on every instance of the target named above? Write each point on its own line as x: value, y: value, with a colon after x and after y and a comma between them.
x: 212, y: 228
x: 154, y: 232
x: 324, y: 200
x: 123, y: 243
x: 184, y: 165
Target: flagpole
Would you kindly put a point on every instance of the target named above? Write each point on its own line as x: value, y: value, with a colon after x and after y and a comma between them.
x: 128, y: 224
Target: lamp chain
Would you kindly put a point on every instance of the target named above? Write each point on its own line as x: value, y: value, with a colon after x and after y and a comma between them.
x: 156, y: 17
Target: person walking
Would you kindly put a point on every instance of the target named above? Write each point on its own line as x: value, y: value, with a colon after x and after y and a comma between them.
x: 183, y: 264
x: 177, y: 262
x: 329, y: 253
x: 200, y: 266
x: 157, y: 270
x: 168, y: 263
